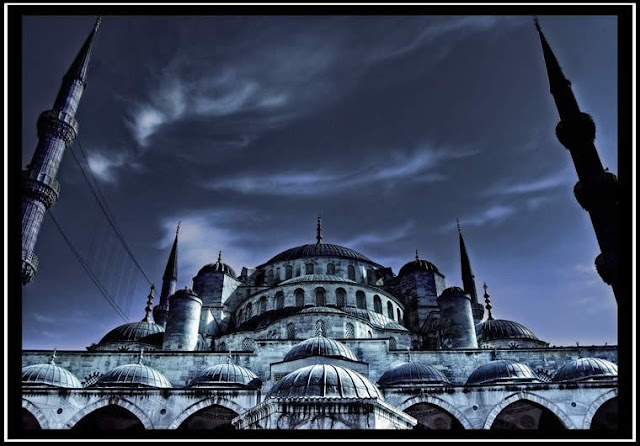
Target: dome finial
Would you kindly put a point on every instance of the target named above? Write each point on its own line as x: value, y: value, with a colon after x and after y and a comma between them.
x: 408, y: 354
x: 149, y: 308
x: 458, y: 223
x: 219, y: 256
x: 488, y: 301
x: 53, y: 356
x: 417, y: 257
x: 141, y: 355
x: 319, y: 230
x: 178, y: 227
x: 229, y: 357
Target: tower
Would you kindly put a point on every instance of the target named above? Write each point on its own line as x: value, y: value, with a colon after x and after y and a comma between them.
x: 169, y: 281
x: 57, y: 129
x: 597, y: 189
x: 468, y: 280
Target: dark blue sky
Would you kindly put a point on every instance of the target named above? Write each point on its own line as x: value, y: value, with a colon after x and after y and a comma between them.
x: 247, y: 128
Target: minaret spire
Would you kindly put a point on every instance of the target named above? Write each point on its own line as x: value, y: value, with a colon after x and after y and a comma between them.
x: 468, y: 279
x: 488, y: 302
x: 597, y: 190
x: 57, y: 129
x: 149, y: 308
x: 169, y: 281
x: 319, y: 230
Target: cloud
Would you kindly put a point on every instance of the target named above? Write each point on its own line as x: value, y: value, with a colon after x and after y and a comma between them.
x: 494, y: 215
x: 416, y: 166
x: 380, y: 238
x: 529, y: 186
x: 104, y: 164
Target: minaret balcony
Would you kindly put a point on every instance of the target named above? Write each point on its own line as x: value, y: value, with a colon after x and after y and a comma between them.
x: 58, y: 123
x: 30, y: 264
x: 40, y: 186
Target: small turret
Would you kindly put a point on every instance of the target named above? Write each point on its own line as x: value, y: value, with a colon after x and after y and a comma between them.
x: 457, y: 329
x: 183, y: 321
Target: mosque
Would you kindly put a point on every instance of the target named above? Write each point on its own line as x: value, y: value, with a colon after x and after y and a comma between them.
x: 317, y: 337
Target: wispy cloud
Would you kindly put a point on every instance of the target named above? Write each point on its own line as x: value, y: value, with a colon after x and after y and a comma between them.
x: 532, y: 185
x: 495, y: 214
x: 380, y: 237
x: 415, y: 166
x: 105, y: 164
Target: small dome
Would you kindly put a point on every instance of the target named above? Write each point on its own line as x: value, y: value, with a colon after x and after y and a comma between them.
x: 218, y: 267
x: 224, y: 374
x: 453, y: 290
x: 586, y: 368
x: 324, y: 381
x: 494, y: 329
x: 501, y: 370
x: 322, y: 310
x: 320, y: 346
x: 133, y: 375
x: 49, y: 375
x: 416, y: 266
x: 132, y: 331
x: 412, y: 373
x: 316, y: 278
x: 317, y: 250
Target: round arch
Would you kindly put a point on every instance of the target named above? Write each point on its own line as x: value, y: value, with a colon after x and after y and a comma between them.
x: 593, y: 408
x: 114, y: 400
x: 437, y: 402
x: 552, y: 407
x: 38, y: 414
x: 214, y: 401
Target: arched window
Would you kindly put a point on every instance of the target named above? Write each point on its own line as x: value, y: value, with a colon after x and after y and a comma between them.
x: 390, y: 310
x: 351, y: 272
x: 263, y: 304
x: 289, y: 272
x: 270, y: 276
x: 377, y: 304
x: 331, y: 268
x: 240, y: 316
x: 320, y: 330
x: 279, y: 300
x: 308, y: 269
x: 291, y: 331
x: 277, y: 277
x: 349, y: 331
x: 361, y: 300
x: 341, y: 297
x: 320, y: 301
x: 399, y: 315
x: 222, y: 347
x: 299, y: 294
x: 297, y: 270
x: 370, y: 277
x: 392, y: 344
x: 249, y: 311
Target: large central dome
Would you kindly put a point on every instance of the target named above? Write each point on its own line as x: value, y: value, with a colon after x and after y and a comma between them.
x: 318, y: 250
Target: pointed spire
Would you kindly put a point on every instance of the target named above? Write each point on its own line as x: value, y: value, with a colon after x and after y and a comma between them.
x: 78, y: 69
x: 53, y: 356
x: 417, y: 256
x: 149, y: 308
x: 171, y: 271
x: 141, y: 355
x: 559, y: 85
x: 319, y: 230
x: 220, y: 257
x: 468, y: 279
x: 488, y: 302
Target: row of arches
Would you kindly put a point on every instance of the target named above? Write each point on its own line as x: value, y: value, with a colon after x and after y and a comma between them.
x: 518, y: 412
x: 358, y: 274
x: 320, y: 298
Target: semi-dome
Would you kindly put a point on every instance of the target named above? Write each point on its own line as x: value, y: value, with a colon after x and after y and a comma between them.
x: 501, y: 370
x: 376, y: 319
x: 317, y: 250
x: 412, y: 373
x: 316, y: 278
x: 218, y: 267
x: 586, y: 368
x: 324, y: 381
x: 49, y: 375
x: 133, y: 375
x: 224, y: 374
x: 320, y: 346
x: 417, y: 265
x: 493, y: 329
x: 131, y: 332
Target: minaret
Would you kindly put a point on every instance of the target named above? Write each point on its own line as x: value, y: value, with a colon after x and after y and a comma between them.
x: 468, y: 280
x: 57, y: 129
x: 597, y: 189
x: 169, y: 281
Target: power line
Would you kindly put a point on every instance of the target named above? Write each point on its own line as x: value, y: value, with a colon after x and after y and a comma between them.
x: 88, y: 270
x: 103, y: 206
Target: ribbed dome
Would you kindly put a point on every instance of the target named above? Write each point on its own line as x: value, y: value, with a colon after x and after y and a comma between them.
x: 494, y: 329
x: 132, y: 331
x: 376, y: 319
x: 320, y: 346
x: 324, y: 381
x: 417, y: 265
x: 412, y: 373
x: 132, y: 375
x: 317, y: 250
x: 224, y: 374
x: 50, y: 375
x: 586, y: 368
x: 218, y: 267
x: 316, y: 278
x: 328, y: 310
x: 501, y: 370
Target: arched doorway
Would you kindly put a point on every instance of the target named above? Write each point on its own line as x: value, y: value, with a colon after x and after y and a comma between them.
x: 29, y: 422
x: 524, y: 414
x: 210, y: 418
x: 110, y: 417
x: 430, y: 416
x: 606, y: 417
